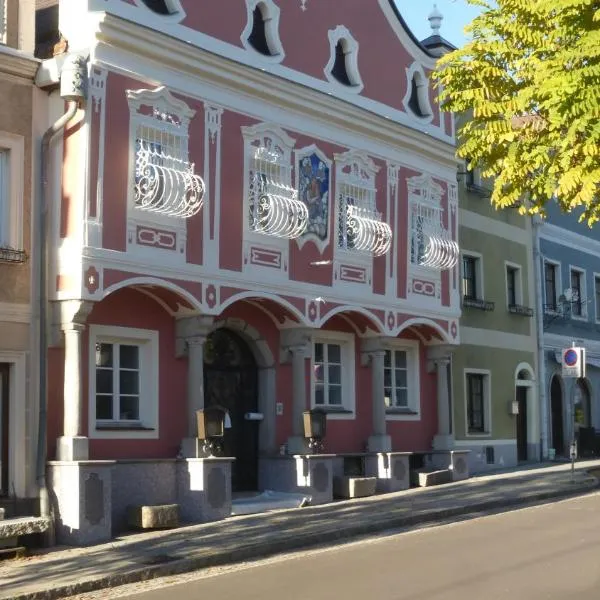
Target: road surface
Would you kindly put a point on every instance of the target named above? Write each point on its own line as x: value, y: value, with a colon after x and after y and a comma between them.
x: 547, y: 552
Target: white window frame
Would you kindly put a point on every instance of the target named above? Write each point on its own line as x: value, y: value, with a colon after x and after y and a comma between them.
x: 557, y: 282
x: 582, y: 294
x: 487, y: 402
x: 348, y: 376
x: 596, y: 304
x: 342, y: 34
x: 3, y: 21
x: 416, y: 71
x: 11, y: 191
x: 413, y: 363
x: 479, y: 271
x: 147, y: 340
x: 271, y: 19
x: 518, y: 282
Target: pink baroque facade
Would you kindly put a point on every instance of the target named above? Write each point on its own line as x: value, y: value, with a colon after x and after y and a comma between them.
x: 256, y: 209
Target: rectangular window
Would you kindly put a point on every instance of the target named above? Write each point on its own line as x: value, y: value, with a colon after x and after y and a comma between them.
x: 4, y: 193
x: 396, y: 379
x: 117, y: 382
x: 511, y: 285
x: 576, y: 291
x: 328, y: 374
x: 469, y: 277
x: 597, y: 296
x: 475, y: 402
x: 550, y: 270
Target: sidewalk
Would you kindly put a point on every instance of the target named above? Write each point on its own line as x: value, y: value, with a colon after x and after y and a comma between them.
x: 61, y: 572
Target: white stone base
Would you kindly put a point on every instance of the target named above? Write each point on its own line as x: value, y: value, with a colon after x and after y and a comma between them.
x: 70, y: 449
x: 379, y: 443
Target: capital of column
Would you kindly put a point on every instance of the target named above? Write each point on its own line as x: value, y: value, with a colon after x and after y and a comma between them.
x: 371, y: 349
x: 191, y: 331
x: 294, y: 342
x: 439, y: 357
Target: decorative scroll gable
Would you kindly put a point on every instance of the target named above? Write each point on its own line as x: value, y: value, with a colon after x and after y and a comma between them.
x: 360, y: 226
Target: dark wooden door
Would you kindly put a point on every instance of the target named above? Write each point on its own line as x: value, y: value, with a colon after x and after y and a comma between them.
x: 522, y: 423
x: 231, y: 382
x: 4, y: 387
x: 558, y: 440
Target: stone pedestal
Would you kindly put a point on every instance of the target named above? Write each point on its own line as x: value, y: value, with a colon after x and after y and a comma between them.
x: 204, y: 489
x: 69, y: 449
x: 310, y: 474
x: 459, y: 460
x: 391, y: 469
x: 80, y: 493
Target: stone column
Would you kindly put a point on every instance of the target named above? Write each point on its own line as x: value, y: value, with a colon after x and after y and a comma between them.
x: 192, y: 333
x: 72, y: 446
x: 296, y: 348
x: 378, y: 441
x: 440, y: 360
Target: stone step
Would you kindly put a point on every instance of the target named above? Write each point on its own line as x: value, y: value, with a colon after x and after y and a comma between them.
x: 354, y: 487
x: 429, y: 477
x: 163, y: 516
x: 10, y: 528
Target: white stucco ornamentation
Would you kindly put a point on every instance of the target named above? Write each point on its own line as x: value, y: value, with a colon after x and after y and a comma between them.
x: 349, y: 46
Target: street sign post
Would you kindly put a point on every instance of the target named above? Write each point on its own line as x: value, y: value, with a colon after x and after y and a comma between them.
x: 573, y: 366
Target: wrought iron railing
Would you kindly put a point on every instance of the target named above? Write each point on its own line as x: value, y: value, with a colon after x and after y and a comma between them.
x: 367, y: 232
x: 478, y: 303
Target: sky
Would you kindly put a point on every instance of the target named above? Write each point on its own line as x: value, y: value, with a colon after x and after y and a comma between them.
x: 457, y: 13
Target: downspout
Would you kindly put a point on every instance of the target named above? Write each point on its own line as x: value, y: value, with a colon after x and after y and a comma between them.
x: 537, y: 268
x: 72, y: 89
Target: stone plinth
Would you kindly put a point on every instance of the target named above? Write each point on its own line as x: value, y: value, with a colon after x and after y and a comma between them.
x: 204, y: 488
x: 354, y: 487
x: 309, y: 474
x: 460, y: 464
x: 391, y: 469
x: 164, y: 516
x: 428, y: 478
x: 80, y: 494
x: 13, y: 528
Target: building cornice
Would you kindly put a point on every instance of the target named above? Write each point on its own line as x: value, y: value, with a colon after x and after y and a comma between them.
x: 565, y: 237
x: 15, y: 64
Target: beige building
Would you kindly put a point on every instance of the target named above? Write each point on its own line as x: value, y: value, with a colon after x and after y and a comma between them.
x: 19, y: 100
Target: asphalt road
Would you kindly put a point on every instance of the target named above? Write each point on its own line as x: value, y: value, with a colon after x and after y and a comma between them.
x: 547, y: 552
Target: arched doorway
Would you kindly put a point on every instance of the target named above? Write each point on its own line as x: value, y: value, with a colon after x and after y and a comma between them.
x: 231, y: 381
x: 556, y: 406
x: 523, y: 385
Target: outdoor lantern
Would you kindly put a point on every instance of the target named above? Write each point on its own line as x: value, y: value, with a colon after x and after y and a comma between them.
x: 211, y: 427
x: 315, y: 428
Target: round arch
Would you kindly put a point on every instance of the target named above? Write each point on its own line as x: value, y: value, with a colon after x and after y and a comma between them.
x: 362, y: 317
x: 524, y: 374
x: 288, y: 307
x: 419, y: 321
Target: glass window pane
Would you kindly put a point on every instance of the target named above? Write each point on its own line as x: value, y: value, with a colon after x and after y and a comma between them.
x: 319, y: 353
x: 402, y: 398
x: 401, y: 378
x: 129, y: 357
x: 387, y: 361
x: 335, y: 374
x: 400, y: 359
x: 319, y: 394
x: 104, y: 355
x: 104, y: 407
x: 387, y: 378
x: 129, y: 408
x: 319, y: 373
x: 129, y: 382
x: 335, y: 395
x: 104, y: 381
x: 334, y: 353
x: 388, y: 398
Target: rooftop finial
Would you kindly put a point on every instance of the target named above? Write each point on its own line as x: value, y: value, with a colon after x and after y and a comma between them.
x: 435, y: 20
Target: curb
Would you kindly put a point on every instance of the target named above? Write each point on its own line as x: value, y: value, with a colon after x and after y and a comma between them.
x: 295, y: 542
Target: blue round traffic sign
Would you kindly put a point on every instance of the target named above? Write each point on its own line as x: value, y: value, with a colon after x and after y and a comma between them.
x: 570, y: 358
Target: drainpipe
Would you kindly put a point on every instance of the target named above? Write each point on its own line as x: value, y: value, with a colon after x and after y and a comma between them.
x: 73, y: 80
x: 537, y: 268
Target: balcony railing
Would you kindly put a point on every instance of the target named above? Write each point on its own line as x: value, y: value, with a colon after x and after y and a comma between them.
x: 517, y: 309
x: 478, y: 303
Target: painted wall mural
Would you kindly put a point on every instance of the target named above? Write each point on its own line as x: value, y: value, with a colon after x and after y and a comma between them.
x: 313, y: 190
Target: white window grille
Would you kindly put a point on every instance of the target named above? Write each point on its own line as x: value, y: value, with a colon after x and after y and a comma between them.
x: 431, y: 243
x: 164, y: 180
x: 360, y: 226
x: 274, y: 207
x: 3, y: 19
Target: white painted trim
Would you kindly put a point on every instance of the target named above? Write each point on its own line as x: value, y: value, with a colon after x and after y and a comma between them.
x: 176, y: 12
x: 596, y: 277
x: 518, y: 282
x: 349, y: 373
x: 472, y: 220
x: 271, y: 14
x: 525, y: 382
x: 564, y: 237
x: 15, y: 313
x: 411, y: 347
x: 488, y: 442
x: 491, y: 338
x: 479, y: 273
x: 350, y: 47
x: 557, y: 280
x: 149, y: 379
x: 487, y: 401
x: 416, y: 71
x: 11, y: 226
x: 582, y: 293
x: 553, y: 341
x: 18, y: 407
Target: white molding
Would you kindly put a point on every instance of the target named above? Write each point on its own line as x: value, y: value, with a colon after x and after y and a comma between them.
x: 149, y: 379
x: 271, y: 20
x: 15, y: 313
x: 529, y: 369
x: 415, y: 70
x: 553, y: 341
x: 349, y: 372
x: 487, y: 401
x: 176, y: 12
x: 491, y: 338
x: 479, y: 272
x: 350, y: 47
x: 19, y: 405
x: 596, y: 277
x: 518, y: 282
x: 488, y: 442
x: 300, y: 154
x: 582, y: 294
x: 411, y: 347
x: 473, y: 220
x: 557, y: 279
x: 11, y: 200
x: 564, y: 237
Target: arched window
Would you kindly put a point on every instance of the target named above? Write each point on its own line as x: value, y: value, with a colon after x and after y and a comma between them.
x: 158, y: 6
x: 168, y: 9
x: 261, y: 33
x: 416, y: 100
x: 342, y: 67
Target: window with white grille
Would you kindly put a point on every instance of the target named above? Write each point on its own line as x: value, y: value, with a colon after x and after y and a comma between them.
x: 12, y: 161
x: 3, y: 20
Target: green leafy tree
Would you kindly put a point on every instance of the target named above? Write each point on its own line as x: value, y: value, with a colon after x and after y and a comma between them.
x: 529, y: 79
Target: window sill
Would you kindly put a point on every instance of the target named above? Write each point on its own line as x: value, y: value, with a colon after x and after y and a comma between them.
x: 400, y: 411
x: 478, y: 303
x: 333, y: 410
x: 116, y: 426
